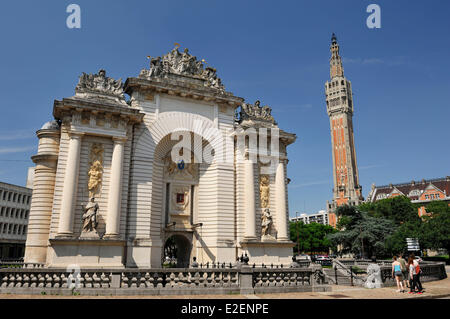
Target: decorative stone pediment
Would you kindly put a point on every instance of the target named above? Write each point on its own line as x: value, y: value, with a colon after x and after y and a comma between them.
x: 183, y: 64
x: 99, y: 86
x: 255, y: 113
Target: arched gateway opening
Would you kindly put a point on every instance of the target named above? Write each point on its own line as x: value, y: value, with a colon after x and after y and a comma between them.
x: 178, y: 168
x: 177, y: 251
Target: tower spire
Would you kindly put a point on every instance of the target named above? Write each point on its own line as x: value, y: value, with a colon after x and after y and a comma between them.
x: 336, y: 68
x: 339, y: 100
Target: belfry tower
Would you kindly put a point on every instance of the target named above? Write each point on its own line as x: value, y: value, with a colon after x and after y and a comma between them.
x: 339, y: 99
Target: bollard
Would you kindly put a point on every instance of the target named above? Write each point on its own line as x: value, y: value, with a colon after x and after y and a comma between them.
x: 351, y: 275
x: 335, y: 274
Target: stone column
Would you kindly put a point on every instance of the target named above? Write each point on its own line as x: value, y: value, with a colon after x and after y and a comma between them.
x: 280, y: 191
x: 66, y: 217
x: 115, y: 190
x: 250, y: 216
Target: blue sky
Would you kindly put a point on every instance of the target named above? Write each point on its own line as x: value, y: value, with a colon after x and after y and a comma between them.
x: 275, y: 51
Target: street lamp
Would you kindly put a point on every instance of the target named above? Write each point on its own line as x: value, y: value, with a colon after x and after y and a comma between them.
x: 298, y: 235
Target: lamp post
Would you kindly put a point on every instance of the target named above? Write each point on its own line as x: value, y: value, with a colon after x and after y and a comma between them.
x: 298, y: 235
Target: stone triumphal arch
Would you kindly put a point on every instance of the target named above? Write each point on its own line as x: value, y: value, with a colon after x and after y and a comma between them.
x: 120, y: 182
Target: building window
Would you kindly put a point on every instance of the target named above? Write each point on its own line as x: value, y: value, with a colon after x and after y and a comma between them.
x: 24, y: 231
x: 180, y: 198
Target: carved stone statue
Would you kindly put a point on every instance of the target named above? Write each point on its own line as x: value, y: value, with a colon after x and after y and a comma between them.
x: 256, y: 113
x: 373, y: 277
x: 98, y: 85
x: 184, y: 63
x: 264, y: 191
x: 90, y: 219
x: 266, y: 224
x: 95, y: 172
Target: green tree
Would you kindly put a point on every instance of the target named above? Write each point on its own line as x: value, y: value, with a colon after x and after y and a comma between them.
x: 436, y: 228
x: 398, y: 209
x: 396, y: 243
x: 311, y: 237
x: 361, y: 232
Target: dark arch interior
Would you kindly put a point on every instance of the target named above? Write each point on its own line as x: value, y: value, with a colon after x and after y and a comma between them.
x: 178, y: 247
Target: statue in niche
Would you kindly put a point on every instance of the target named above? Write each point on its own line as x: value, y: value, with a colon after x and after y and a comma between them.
x: 95, y: 172
x: 266, y: 224
x: 90, y: 221
x: 264, y: 191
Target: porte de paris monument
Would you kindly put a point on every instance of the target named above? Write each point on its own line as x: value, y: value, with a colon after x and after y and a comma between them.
x: 181, y: 167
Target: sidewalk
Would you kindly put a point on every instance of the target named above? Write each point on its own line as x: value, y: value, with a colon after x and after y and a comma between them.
x: 432, y: 290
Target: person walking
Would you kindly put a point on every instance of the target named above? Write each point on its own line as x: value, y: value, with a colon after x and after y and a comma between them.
x: 414, y: 283
x: 418, y: 273
x: 397, y: 274
x: 404, y: 268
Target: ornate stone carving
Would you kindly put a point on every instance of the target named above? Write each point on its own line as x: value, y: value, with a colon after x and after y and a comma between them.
x: 181, y: 205
x: 254, y: 112
x: 180, y: 170
x: 95, y: 172
x: 100, y: 86
x: 266, y: 224
x: 182, y: 64
x: 90, y: 221
x: 264, y: 191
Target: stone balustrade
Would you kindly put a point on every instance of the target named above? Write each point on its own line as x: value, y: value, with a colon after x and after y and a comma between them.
x: 430, y: 270
x: 159, y: 281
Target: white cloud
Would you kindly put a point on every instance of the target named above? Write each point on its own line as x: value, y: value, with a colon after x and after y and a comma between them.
x: 400, y: 60
x: 310, y: 184
x: 18, y: 135
x: 8, y: 150
x: 371, y: 166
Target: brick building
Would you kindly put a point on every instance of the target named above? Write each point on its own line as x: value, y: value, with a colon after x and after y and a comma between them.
x: 421, y: 192
x: 340, y: 106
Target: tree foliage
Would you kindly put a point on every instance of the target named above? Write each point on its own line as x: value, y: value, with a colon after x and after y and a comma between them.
x: 436, y: 227
x: 361, y: 232
x: 398, y: 209
x: 312, y: 237
x: 382, y: 227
